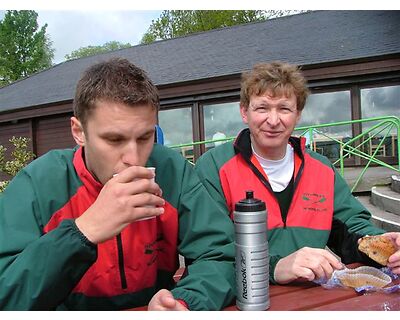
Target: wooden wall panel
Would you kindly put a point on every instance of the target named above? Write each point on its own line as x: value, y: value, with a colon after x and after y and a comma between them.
x: 19, y: 129
x: 53, y: 133
x: 7, y: 131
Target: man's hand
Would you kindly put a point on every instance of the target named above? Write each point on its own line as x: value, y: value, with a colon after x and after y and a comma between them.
x: 163, y: 300
x: 306, y: 263
x: 125, y: 198
x: 394, y: 259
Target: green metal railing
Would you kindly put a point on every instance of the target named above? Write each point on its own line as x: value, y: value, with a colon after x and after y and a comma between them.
x: 352, y: 147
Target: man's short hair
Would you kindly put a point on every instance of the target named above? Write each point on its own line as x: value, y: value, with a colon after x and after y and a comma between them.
x: 276, y: 78
x: 116, y: 80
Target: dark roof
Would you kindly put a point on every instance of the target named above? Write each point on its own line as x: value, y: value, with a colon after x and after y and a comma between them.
x: 305, y: 39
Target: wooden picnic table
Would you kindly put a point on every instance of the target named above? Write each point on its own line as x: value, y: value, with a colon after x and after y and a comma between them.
x: 309, y: 296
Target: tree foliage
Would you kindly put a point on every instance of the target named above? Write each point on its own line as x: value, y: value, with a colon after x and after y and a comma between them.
x: 20, y: 157
x: 92, y: 50
x: 176, y: 23
x: 24, y: 48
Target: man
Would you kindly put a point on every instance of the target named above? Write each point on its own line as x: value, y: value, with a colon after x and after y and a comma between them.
x: 309, y: 204
x: 89, y: 228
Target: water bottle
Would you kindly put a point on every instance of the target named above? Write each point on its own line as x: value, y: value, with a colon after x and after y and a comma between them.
x: 252, y: 257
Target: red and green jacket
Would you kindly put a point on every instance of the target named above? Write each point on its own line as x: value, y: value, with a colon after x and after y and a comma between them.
x: 322, y: 211
x: 47, y: 263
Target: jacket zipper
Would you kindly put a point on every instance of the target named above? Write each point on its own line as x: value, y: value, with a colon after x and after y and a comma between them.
x: 246, y: 153
x: 121, y: 262
x: 295, y: 184
x: 263, y: 180
x: 268, y: 186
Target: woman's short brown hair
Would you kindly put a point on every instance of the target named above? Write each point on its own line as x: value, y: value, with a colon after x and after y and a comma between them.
x: 277, y: 78
x: 116, y: 80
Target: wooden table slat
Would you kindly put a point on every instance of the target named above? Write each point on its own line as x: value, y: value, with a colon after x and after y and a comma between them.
x: 367, y: 302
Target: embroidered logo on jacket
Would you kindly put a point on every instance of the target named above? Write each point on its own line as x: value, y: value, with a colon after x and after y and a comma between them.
x: 153, y: 248
x: 314, y: 202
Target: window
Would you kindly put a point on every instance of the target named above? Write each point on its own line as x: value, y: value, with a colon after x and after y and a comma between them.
x: 325, y: 108
x: 177, y: 128
x: 378, y: 102
x: 221, y: 120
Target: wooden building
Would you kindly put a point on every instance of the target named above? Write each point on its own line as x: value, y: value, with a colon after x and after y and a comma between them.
x: 350, y: 58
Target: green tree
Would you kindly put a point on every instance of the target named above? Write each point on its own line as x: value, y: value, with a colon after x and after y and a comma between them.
x: 176, y: 23
x: 24, y: 49
x: 20, y: 157
x: 92, y: 50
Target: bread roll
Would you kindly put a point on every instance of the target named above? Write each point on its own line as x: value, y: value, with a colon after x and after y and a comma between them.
x: 378, y: 248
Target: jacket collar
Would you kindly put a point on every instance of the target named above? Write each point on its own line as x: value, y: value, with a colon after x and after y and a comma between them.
x: 242, y: 146
x: 94, y: 187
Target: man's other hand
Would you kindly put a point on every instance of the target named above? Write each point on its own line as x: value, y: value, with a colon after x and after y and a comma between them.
x: 163, y: 300
x: 306, y: 263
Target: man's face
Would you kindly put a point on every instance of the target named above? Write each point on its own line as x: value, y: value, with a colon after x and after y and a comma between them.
x: 116, y: 137
x: 271, y: 121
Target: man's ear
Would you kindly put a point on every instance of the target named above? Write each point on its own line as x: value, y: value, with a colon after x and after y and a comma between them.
x: 243, y: 113
x: 77, y: 131
x: 298, y: 117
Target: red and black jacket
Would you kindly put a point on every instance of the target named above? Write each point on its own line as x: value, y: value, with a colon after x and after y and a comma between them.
x: 322, y: 211
x: 47, y: 263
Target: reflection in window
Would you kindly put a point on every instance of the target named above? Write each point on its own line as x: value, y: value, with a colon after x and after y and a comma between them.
x: 325, y: 108
x: 379, y: 102
x: 177, y: 128
x: 222, y: 120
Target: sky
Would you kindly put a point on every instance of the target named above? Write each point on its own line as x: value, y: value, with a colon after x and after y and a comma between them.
x: 78, y: 23
x: 70, y: 30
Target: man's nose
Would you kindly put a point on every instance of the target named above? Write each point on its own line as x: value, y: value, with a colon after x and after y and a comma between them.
x: 273, y: 118
x: 130, y: 155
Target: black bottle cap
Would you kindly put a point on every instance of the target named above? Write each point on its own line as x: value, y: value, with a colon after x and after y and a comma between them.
x: 250, y: 204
